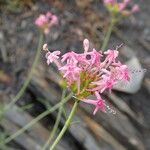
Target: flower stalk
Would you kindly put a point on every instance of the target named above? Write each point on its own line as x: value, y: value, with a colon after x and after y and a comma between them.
x: 56, y: 123
x: 108, y: 34
x: 117, y: 11
x: 67, y: 123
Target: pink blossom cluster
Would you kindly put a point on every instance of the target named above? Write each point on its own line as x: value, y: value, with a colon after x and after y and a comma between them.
x: 121, y: 7
x: 46, y: 21
x: 89, y: 73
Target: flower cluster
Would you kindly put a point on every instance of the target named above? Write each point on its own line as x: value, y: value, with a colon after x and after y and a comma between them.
x: 120, y: 7
x: 89, y: 73
x: 46, y: 21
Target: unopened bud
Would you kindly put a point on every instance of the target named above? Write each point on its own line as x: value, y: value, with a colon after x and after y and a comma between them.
x: 45, y: 47
x: 135, y: 8
x: 86, y: 45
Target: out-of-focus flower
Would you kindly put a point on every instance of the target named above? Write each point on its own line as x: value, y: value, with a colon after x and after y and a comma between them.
x: 135, y: 8
x: 46, y: 21
x: 120, y: 8
x: 89, y: 73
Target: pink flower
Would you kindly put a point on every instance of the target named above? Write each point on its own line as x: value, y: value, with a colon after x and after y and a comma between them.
x: 71, y: 72
x: 99, y: 103
x: 111, y: 56
x: 52, y: 57
x: 109, y: 2
x: 71, y: 57
x: 95, y: 57
x: 45, y: 22
x: 122, y: 72
x: 90, y: 72
x: 52, y: 18
x: 135, y: 8
x: 107, y: 82
x: 41, y: 20
x: 120, y: 7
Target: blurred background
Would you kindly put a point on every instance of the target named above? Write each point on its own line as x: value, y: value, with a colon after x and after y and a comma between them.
x: 129, y: 129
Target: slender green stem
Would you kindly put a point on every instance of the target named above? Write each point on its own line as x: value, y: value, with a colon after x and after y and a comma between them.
x: 64, y: 112
x: 108, y: 34
x: 27, y: 81
x: 30, y: 124
x: 56, y: 123
x: 67, y: 123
